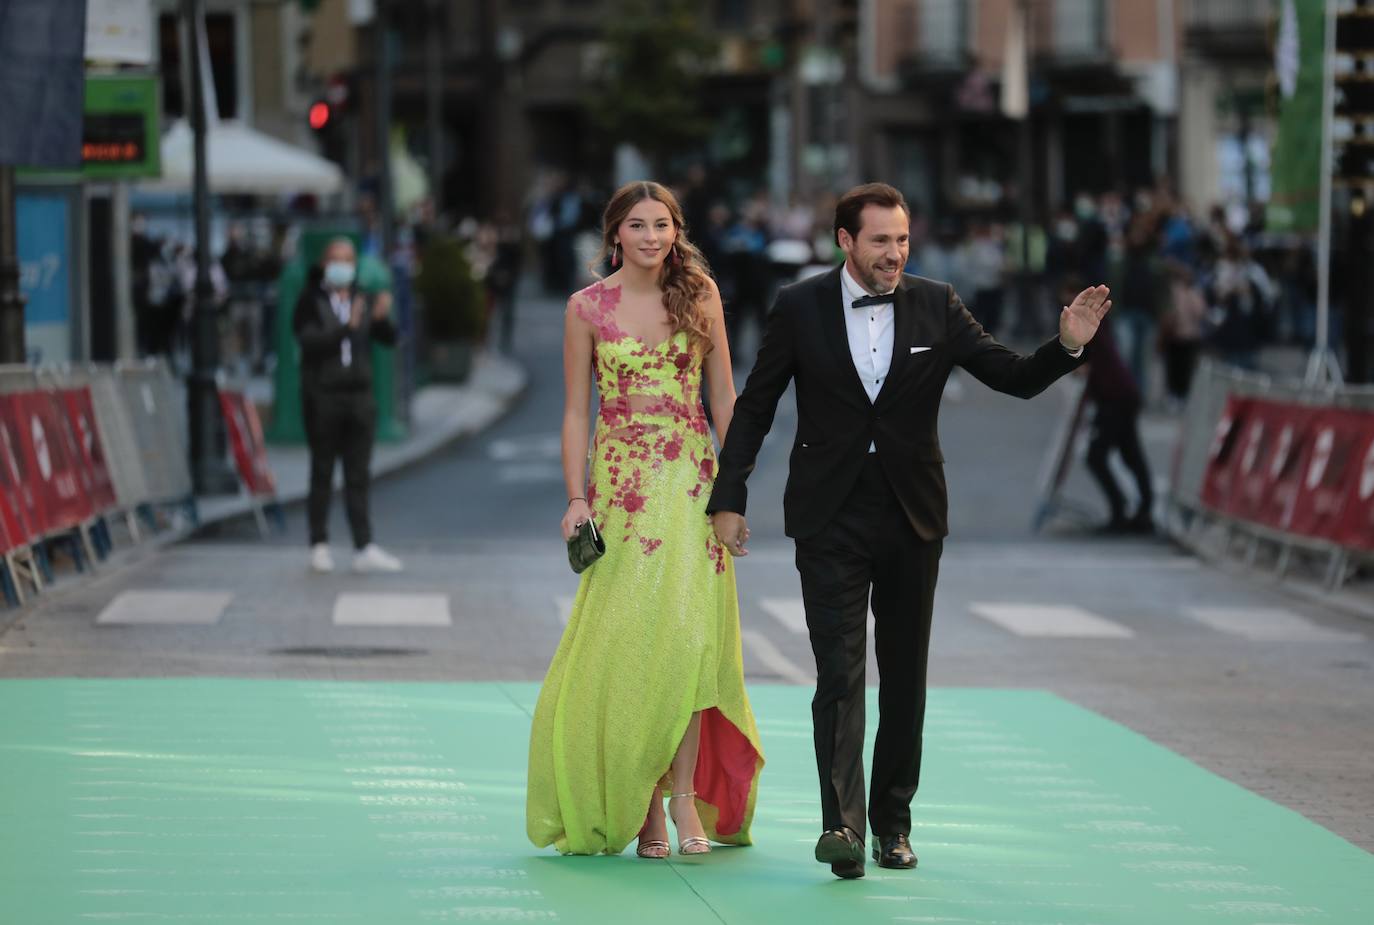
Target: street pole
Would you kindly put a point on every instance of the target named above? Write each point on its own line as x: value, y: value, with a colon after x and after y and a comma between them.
x: 1026, y: 158
x: 11, y: 298
x: 434, y: 100
x: 382, y: 104
x: 209, y: 472
x: 1322, y: 364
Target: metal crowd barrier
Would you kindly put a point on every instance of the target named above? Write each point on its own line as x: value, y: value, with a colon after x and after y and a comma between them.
x: 1188, y: 517
x: 139, y: 423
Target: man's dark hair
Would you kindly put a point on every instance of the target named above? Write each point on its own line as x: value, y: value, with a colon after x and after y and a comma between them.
x: 849, y: 210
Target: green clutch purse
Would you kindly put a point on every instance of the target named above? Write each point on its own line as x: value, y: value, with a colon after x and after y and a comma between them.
x: 585, y: 547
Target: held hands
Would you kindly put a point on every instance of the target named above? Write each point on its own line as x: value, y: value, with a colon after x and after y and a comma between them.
x: 732, y: 531
x: 578, y: 514
x: 381, y: 307
x: 1078, y: 322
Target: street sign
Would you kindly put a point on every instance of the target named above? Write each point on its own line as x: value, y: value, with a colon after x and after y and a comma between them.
x: 120, y: 138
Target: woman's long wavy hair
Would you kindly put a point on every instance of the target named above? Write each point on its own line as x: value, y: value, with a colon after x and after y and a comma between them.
x: 684, y: 276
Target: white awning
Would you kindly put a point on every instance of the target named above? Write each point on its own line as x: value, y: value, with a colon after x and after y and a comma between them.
x: 245, y: 161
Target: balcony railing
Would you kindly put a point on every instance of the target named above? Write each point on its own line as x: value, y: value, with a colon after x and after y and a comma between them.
x: 1227, y: 14
x: 1231, y: 29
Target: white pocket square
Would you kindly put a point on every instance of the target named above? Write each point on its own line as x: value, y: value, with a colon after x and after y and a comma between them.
x: 919, y: 349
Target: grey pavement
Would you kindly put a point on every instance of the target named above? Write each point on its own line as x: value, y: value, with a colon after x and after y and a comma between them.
x: 1269, y: 689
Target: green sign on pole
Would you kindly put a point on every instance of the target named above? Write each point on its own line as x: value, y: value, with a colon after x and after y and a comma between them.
x: 1296, y: 198
x: 121, y: 136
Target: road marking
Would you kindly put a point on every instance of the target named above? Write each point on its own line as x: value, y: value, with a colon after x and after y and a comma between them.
x: 1268, y: 624
x: 526, y: 448
x: 565, y: 606
x: 772, y: 658
x: 524, y: 472
x: 791, y: 612
x: 357, y: 608
x: 202, y: 608
x: 1050, y: 620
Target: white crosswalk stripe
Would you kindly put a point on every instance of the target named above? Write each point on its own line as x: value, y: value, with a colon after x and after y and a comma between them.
x: 202, y: 608
x: 770, y: 656
x: 1056, y: 621
x: 791, y: 612
x: 1268, y: 624
x: 354, y: 608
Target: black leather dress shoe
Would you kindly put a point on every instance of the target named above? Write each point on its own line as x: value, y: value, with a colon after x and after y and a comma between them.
x: 893, y: 851
x: 843, y: 851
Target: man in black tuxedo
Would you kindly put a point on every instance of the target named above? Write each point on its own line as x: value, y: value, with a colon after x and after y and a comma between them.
x: 870, y: 349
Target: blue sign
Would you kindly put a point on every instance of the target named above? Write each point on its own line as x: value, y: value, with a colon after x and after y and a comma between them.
x: 44, y: 258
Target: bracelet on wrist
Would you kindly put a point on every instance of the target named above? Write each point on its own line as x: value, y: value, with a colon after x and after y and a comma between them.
x: 571, y: 500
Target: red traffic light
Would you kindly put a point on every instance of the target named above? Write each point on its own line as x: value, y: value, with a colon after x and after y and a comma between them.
x: 319, y: 115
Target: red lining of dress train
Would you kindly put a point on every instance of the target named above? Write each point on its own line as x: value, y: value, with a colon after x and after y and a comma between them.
x: 726, y: 762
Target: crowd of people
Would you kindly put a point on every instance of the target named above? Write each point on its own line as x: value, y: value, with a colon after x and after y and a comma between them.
x: 1186, y: 284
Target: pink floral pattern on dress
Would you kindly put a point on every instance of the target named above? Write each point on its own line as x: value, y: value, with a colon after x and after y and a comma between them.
x: 651, y: 417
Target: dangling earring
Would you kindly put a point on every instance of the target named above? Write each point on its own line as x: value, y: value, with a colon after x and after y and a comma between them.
x: 615, y: 255
x: 674, y: 255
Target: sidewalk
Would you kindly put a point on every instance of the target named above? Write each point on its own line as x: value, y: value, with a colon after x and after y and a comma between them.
x: 440, y: 414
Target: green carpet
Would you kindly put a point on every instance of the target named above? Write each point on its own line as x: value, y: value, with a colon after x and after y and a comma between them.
x: 388, y: 804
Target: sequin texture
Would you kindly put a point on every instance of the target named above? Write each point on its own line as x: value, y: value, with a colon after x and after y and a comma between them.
x: 654, y: 631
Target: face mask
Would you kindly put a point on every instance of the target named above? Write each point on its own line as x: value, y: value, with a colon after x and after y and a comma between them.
x: 338, y: 274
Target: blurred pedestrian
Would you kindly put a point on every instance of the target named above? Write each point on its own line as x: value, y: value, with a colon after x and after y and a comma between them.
x: 1180, y: 331
x: 1240, y: 298
x: 336, y: 325
x: 985, y: 265
x: 1116, y: 402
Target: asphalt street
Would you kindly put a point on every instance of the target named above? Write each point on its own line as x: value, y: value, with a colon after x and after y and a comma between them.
x: 1270, y: 691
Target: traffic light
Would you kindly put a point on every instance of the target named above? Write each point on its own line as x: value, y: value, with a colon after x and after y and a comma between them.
x: 327, y: 117
x: 320, y: 115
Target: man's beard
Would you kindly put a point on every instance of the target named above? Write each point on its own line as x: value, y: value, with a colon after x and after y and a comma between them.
x: 868, y: 275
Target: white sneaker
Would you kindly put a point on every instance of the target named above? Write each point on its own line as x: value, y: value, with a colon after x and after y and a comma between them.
x: 321, y: 559
x: 373, y: 558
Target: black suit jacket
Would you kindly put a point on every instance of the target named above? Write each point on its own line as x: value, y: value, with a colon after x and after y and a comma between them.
x: 805, y: 341
x: 321, y: 335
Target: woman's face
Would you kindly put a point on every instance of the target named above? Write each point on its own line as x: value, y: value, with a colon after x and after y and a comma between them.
x: 646, y: 234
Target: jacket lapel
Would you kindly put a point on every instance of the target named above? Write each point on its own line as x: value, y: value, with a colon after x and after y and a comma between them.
x: 830, y: 308
x: 905, y: 313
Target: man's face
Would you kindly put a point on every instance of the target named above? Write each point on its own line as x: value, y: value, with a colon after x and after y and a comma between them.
x: 878, y: 253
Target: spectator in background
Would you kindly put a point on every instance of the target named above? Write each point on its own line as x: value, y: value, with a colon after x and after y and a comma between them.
x: 1180, y: 331
x: 1116, y: 405
x: 336, y: 325
x: 1240, y: 298
x: 1135, y: 319
x: 984, y: 261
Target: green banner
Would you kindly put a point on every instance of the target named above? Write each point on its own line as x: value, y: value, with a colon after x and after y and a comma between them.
x: 1296, y: 167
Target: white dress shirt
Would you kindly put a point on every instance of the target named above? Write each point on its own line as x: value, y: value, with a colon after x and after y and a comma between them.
x: 343, y: 309
x: 871, y: 331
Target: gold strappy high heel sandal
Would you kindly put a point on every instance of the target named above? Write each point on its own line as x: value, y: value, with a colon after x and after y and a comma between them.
x: 653, y: 849
x: 694, y: 844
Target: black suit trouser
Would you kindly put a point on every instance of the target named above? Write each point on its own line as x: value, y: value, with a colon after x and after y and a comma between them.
x: 869, y: 549
x: 340, y: 425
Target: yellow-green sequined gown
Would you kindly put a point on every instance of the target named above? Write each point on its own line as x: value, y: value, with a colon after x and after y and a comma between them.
x: 654, y: 631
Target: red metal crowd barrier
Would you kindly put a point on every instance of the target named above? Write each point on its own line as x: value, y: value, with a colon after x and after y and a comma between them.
x: 247, y: 444
x: 53, y: 474
x: 1295, y: 468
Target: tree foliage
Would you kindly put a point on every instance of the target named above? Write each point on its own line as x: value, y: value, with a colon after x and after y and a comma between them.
x: 648, y: 94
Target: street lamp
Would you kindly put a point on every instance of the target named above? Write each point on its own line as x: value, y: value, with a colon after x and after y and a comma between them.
x: 210, y: 473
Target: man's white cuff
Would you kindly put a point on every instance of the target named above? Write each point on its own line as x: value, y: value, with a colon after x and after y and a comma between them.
x: 1073, y: 353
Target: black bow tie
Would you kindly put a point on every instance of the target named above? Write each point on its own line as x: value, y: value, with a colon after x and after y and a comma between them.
x: 868, y: 300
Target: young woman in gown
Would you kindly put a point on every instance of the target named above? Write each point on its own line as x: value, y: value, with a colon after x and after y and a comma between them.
x: 645, y: 696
